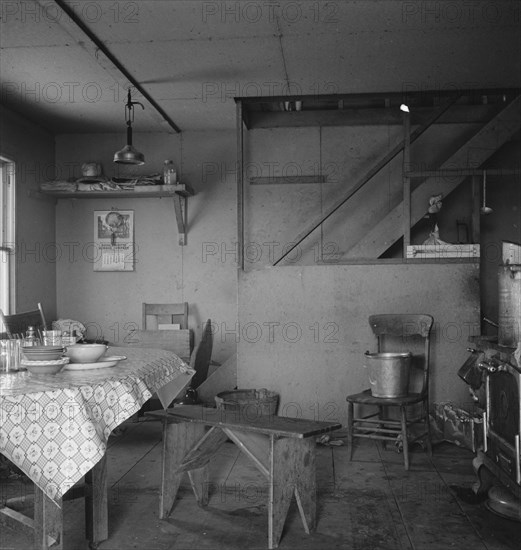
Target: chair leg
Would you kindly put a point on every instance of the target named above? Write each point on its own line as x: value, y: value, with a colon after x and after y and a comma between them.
x: 350, y: 412
x: 383, y: 414
x: 403, y: 414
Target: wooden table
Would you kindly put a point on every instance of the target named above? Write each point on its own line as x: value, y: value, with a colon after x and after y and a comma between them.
x: 55, y: 428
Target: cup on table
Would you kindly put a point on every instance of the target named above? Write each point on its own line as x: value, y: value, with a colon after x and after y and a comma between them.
x: 68, y: 339
x: 10, y: 355
x: 52, y: 337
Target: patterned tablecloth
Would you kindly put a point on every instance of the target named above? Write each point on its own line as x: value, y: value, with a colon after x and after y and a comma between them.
x: 55, y: 427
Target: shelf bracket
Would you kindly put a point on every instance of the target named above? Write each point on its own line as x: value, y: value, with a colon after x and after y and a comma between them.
x: 179, y: 194
x: 180, y: 216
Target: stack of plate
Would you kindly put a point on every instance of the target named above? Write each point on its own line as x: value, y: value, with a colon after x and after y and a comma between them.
x: 42, y: 353
x: 43, y: 359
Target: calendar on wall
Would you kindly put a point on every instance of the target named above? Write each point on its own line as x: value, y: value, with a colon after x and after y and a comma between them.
x: 114, y: 240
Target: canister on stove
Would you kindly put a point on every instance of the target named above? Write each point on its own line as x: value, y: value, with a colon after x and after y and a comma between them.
x: 509, y: 280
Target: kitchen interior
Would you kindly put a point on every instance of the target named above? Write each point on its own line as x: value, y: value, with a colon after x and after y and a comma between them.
x: 333, y: 161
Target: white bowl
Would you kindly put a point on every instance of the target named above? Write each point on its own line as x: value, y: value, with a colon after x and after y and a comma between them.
x: 85, y: 353
x: 45, y: 367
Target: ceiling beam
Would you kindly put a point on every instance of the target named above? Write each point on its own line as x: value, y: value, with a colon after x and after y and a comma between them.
x: 106, y: 59
x: 361, y: 99
x: 382, y: 116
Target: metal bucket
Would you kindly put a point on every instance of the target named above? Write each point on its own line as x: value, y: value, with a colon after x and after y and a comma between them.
x: 388, y: 373
x: 250, y: 404
x: 509, y: 331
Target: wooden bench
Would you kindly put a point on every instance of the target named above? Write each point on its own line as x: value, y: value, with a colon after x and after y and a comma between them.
x: 283, y: 449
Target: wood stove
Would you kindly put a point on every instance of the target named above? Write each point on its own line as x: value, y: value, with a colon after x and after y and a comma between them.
x: 503, y: 415
x: 498, y: 367
x: 498, y: 464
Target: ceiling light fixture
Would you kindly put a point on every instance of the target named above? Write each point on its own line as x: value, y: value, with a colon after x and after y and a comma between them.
x: 485, y: 209
x: 129, y: 155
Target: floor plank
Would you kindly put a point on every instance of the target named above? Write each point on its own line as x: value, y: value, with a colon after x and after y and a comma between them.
x: 369, y: 503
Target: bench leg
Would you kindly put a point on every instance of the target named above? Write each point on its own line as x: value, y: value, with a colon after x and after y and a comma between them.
x: 96, y: 505
x: 48, y: 522
x: 350, y: 429
x: 292, y: 471
x: 199, y: 480
x: 178, y: 440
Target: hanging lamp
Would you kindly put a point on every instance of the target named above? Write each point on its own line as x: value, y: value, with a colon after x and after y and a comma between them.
x: 485, y: 209
x: 129, y: 154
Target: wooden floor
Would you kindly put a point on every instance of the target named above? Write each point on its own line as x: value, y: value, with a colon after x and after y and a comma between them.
x: 370, y: 503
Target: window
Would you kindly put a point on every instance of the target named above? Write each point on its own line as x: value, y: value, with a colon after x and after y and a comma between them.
x: 7, y: 234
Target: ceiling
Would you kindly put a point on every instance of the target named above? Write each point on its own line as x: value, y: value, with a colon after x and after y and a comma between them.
x: 68, y: 64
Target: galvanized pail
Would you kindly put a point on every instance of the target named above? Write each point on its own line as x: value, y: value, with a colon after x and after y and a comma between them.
x: 388, y: 373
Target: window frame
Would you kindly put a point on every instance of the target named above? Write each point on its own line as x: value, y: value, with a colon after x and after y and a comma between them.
x: 7, y: 234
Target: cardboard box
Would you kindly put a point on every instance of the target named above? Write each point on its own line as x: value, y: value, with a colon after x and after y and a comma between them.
x: 459, y: 426
x: 443, y: 251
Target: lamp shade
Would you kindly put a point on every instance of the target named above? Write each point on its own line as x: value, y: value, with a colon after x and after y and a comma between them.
x: 129, y: 155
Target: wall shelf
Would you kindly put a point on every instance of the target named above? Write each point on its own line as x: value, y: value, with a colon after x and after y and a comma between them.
x: 141, y: 191
x: 179, y: 193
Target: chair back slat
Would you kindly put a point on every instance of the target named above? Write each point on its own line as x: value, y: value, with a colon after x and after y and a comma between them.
x: 178, y: 341
x: 156, y: 314
x: 401, y: 324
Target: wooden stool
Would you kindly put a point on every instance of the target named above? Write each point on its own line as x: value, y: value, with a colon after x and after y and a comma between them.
x: 283, y: 449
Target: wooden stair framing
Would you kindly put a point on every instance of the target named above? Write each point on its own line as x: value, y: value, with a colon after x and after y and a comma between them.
x: 482, y: 145
x: 368, y: 176
x: 390, y: 229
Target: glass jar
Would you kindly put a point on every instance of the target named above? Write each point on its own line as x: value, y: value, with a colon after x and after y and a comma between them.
x: 169, y: 173
x: 30, y: 338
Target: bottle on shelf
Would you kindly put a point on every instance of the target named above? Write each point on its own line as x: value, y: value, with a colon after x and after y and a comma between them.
x: 31, y: 339
x: 169, y: 173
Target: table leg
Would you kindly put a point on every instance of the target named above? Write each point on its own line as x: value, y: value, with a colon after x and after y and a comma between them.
x: 96, y: 508
x: 292, y: 471
x: 48, y: 522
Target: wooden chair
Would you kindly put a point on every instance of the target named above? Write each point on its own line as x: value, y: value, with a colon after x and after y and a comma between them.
x: 181, y: 342
x: 402, y: 332
x: 17, y: 323
x: 155, y: 315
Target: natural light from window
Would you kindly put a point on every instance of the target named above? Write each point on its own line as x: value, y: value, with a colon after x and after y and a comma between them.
x: 7, y: 234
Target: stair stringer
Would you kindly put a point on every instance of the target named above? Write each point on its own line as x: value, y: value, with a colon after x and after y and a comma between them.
x: 471, y: 155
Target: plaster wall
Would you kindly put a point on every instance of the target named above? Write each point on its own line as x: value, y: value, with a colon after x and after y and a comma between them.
x: 304, y: 330
x: 329, y: 304
x: 32, y: 150
x: 110, y: 302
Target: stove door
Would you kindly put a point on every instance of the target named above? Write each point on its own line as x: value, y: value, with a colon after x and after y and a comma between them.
x: 504, y: 412
x: 504, y: 405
